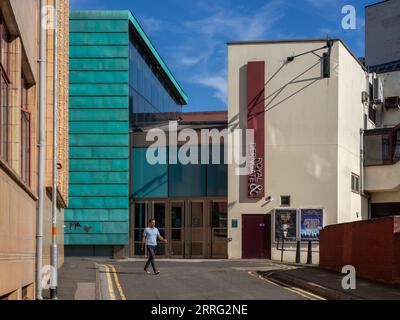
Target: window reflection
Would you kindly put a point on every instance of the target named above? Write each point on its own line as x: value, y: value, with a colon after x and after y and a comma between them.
x: 150, y: 99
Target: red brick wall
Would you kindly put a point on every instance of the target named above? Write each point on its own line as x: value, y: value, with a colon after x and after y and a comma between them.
x: 372, y: 247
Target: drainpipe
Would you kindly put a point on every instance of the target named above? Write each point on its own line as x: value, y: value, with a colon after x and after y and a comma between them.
x: 54, y: 255
x: 42, y: 146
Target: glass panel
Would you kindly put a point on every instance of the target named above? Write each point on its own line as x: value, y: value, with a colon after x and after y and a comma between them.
x: 219, y: 215
x: 197, y: 214
x: 25, y: 146
x: 177, y: 224
x: 4, y: 117
x: 182, y: 178
x: 176, y: 234
x: 150, y: 181
x: 217, y: 174
x: 138, y: 235
x: 151, y: 91
x: 159, y: 215
x: 5, y: 54
x: 140, y: 216
x: 219, y: 231
x: 197, y: 223
x: 162, y: 233
x: 378, y: 149
x: 176, y: 216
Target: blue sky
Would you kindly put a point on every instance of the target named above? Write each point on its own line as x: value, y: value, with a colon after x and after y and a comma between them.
x: 191, y: 35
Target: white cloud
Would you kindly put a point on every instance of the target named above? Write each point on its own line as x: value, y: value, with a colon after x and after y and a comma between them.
x: 217, y: 82
x: 150, y: 24
x: 205, y: 47
x: 190, y: 61
x: 322, y: 3
x: 235, y: 26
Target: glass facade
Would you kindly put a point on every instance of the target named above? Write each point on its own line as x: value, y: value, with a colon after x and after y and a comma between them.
x: 149, y: 98
x: 148, y: 181
x: 177, y: 180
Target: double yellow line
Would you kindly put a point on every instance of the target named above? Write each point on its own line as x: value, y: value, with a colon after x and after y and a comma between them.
x: 300, y: 292
x: 108, y: 270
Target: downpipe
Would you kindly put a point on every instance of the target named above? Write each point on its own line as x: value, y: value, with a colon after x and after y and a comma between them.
x: 42, y: 146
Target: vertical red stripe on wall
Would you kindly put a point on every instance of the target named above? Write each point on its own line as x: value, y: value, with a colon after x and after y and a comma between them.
x: 256, y: 121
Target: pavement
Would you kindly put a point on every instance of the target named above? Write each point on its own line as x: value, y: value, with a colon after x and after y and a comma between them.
x: 107, y: 279
x: 329, y: 284
x: 77, y: 280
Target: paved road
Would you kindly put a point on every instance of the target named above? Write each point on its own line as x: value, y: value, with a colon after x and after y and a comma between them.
x: 191, y: 280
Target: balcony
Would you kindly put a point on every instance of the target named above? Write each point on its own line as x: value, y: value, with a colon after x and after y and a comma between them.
x: 382, y: 159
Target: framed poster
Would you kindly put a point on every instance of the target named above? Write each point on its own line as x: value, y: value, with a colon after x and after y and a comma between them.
x: 311, y: 222
x: 286, y: 224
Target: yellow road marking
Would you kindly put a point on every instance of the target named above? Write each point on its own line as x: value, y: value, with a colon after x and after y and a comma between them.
x: 316, y: 297
x: 117, y: 283
x: 98, y: 280
x: 300, y: 292
x: 110, y: 284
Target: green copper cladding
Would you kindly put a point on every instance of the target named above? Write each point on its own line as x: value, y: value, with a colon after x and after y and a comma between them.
x: 99, y: 150
x: 111, y: 22
x: 98, y: 212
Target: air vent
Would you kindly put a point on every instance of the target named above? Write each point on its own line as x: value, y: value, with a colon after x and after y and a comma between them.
x: 392, y: 102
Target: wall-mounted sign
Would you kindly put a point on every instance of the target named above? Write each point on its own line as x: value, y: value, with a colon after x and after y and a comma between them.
x: 285, y: 224
x: 256, y: 122
x: 234, y: 223
x: 311, y: 222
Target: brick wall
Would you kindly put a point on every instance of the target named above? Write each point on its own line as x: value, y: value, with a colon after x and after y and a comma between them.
x: 63, y: 79
x: 372, y: 247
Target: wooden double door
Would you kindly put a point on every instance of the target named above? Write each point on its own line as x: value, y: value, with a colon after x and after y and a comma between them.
x: 193, y: 228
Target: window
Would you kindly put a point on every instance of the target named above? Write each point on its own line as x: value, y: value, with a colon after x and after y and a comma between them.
x: 25, y: 134
x: 285, y: 201
x: 4, y: 92
x: 355, y: 183
x: 372, y: 114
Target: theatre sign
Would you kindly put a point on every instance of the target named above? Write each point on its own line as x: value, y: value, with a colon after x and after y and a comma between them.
x: 255, y: 122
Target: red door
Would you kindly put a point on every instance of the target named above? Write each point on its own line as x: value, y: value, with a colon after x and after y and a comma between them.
x: 256, y: 236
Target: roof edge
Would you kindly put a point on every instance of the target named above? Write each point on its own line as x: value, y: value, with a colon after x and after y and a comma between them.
x: 232, y: 43
x: 128, y: 15
x: 135, y: 23
x: 375, y: 4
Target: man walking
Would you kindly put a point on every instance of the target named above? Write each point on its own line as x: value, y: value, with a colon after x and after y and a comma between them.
x: 150, y: 235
